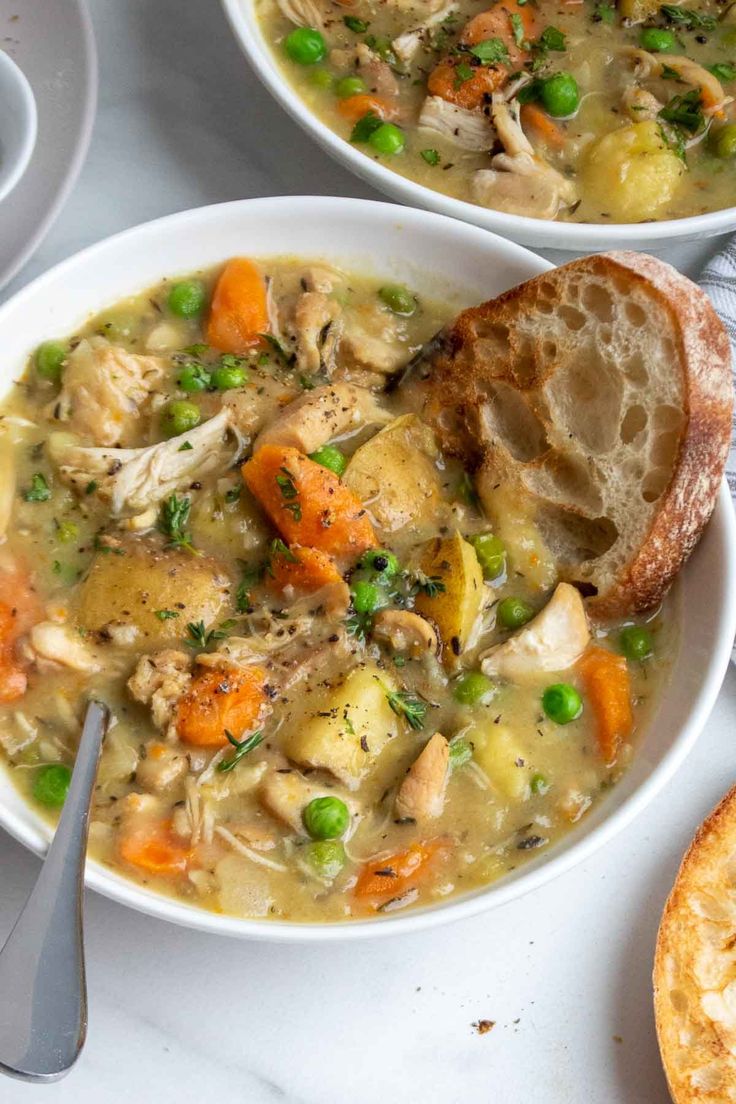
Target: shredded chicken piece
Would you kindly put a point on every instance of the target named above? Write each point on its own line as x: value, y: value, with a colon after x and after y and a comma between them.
x: 286, y: 794
x: 134, y: 479
x: 371, y: 340
x: 51, y: 643
x: 304, y: 13
x: 319, y: 416
x: 406, y: 631
x: 405, y: 46
x: 640, y: 104
x: 159, y: 681
x: 508, y: 124
x: 377, y: 74
x: 314, y: 314
x: 421, y: 795
x: 552, y: 641
x: 648, y: 66
x: 161, y: 768
x: 255, y: 406
x: 470, y: 130
x: 105, y: 390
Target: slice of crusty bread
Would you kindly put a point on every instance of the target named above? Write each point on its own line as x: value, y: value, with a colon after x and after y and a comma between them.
x: 695, y: 967
x: 598, y: 396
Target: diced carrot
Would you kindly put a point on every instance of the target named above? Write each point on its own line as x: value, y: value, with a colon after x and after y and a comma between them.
x: 219, y: 700
x: 542, y: 125
x: 355, y: 107
x: 608, y: 687
x: 496, y: 22
x: 152, y: 846
x: 13, y: 681
x: 383, y: 878
x: 19, y: 610
x: 238, y: 312
x: 308, y: 504
x: 305, y: 569
x: 445, y: 82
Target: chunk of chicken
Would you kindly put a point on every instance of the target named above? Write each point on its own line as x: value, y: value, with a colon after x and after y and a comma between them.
x: 135, y: 479
x: 552, y: 641
x: 406, y: 45
x: 421, y: 795
x: 320, y: 415
x: 286, y: 794
x: 314, y: 315
x: 162, y: 768
x: 159, y: 681
x: 54, y: 645
x: 371, y: 339
x: 253, y: 407
x: 406, y: 632
x: 304, y: 13
x: 469, y: 130
x: 648, y: 66
x: 105, y: 390
x: 377, y: 74
x: 640, y: 104
x: 506, y: 119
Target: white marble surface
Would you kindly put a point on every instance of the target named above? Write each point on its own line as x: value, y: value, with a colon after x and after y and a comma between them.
x: 181, y: 1016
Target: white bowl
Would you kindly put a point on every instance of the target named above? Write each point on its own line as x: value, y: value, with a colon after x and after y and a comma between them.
x: 18, y: 124
x: 540, y: 233
x: 437, y: 256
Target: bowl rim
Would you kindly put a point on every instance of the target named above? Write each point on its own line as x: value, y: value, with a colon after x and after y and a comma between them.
x: 547, y: 233
x: 33, y: 832
x: 25, y: 99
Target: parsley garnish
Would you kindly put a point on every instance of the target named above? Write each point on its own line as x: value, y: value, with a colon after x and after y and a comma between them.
x: 242, y: 747
x: 431, y: 156
x: 354, y: 24
x: 173, y: 523
x: 674, y: 139
x: 251, y: 577
x: 431, y: 585
x: 413, y: 709
x: 196, y: 350
x: 185, y: 447
x: 552, y: 38
x: 685, y: 111
x: 165, y: 614
x: 279, y: 548
x: 198, y: 637
x: 289, y: 491
x: 364, y: 127
x: 39, y: 490
x: 463, y: 73
x: 604, y: 13
x: 461, y: 752
x: 688, y: 18
x: 90, y: 488
x: 233, y: 494
x: 491, y: 50
x: 517, y: 27
x: 723, y: 70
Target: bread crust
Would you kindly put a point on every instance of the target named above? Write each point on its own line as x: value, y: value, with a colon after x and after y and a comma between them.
x: 456, y: 386
x: 695, y: 967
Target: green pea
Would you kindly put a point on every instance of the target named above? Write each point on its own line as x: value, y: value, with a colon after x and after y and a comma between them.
x: 179, y: 416
x: 512, y: 613
x: 657, y: 40
x: 382, y: 561
x: 49, y: 360
x: 187, y: 298
x: 227, y: 376
x: 326, y: 818
x: 330, y: 457
x: 51, y: 784
x: 366, y: 597
x: 539, y: 784
x: 387, y: 139
x: 491, y: 554
x: 636, y: 642
x: 194, y: 377
x: 305, y: 46
x: 723, y: 141
x: 321, y: 78
x: 562, y: 703
x: 398, y: 299
x: 560, y: 95
x: 472, y: 688
x: 349, y: 86
x: 326, y: 858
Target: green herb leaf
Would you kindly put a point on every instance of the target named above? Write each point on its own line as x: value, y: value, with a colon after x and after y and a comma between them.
x: 723, y: 70
x: 173, y: 521
x: 491, y: 50
x: 604, y: 13
x: 242, y: 747
x: 461, y: 752
x: 197, y: 635
x: 233, y: 494
x: 688, y: 18
x: 685, y: 111
x: 365, y: 126
x: 551, y: 38
x: 165, y: 614
x: 39, y: 490
x: 517, y: 27
x: 409, y: 706
x: 431, y: 156
x: 197, y: 350
x: 90, y: 488
x: 289, y: 491
x: 354, y: 24
x: 463, y: 73
x: 185, y: 447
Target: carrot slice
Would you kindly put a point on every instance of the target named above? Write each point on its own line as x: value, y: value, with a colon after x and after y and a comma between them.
x: 497, y: 22
x: 608, y: 686
x: 305, y: 569
x: 385, y: 878
x: 308, y: 504
x: 545, y: 128
x: 445, y: 82
x: 153, y: 847
x: 238, y: 312
x: 19, y: 610
x: 220, y: 700
x: 355, y: 107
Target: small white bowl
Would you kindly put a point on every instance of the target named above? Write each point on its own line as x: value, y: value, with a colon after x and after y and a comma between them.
x: 18, y: 124
x: 540, y: 233
x: 436, y: 256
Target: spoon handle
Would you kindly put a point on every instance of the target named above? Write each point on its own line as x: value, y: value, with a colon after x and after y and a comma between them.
x: 43, y: 995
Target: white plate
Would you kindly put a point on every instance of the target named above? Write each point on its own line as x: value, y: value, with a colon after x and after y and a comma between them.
x: 433, y: 254
x: 539, y: 233
x: 52, y: 42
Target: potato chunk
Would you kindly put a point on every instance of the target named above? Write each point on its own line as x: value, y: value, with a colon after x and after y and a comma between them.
x: 346, y: 731
x: 129, y: 582
x: 395, y: 476
x: 632, y: 173
x: 455, y: 609
x: 498, y: 753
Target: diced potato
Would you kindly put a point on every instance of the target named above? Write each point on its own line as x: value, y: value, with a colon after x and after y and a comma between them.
x: 118, y: 763
x: 455, y: 609
x: 348, y: 728
x: 632, y: 173
x: 638, y: 10
x: 128, y: 583
x: 395, y: 476
x: 501, y: 757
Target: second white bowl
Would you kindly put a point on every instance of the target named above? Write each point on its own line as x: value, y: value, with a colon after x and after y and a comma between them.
x: 18, y: 124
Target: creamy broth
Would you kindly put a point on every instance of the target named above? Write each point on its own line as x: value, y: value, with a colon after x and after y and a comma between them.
x: 672, y: 146
x: 268, y: 702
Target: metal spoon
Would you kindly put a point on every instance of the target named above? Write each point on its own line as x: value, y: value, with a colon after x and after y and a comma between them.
x: 43, y: 995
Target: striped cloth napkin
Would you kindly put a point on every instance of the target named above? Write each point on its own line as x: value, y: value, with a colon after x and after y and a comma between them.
x: 718, y: 279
